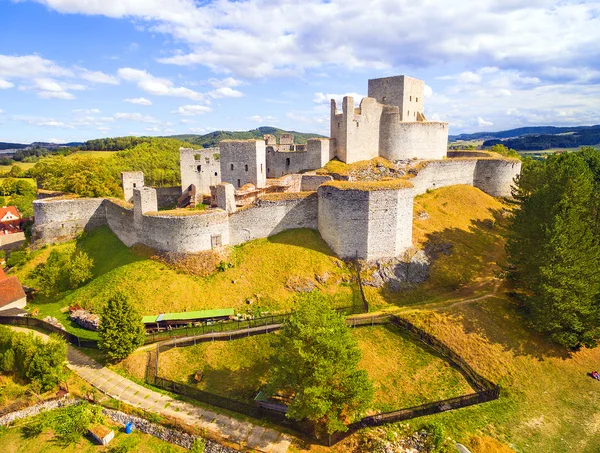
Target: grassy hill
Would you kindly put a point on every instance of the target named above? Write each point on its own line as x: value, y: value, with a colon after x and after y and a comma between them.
x: 263, y: 276
x: 213, y: 138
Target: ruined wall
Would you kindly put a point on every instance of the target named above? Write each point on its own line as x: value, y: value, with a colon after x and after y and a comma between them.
x: 422, y: 140
x: 243, y: 162
x: 167, y: 196
x: 200, y: 167
x: 366, y: 224
x: 496, y: 176
x: 131, y: 180
x: 189, y: 233
x: 312, y: 182
x: 493, y: 176
x: 120, y: 220
x: 272, y: 215
x: 407, y: 93
x: 315, y: 155
x: 62, y: 220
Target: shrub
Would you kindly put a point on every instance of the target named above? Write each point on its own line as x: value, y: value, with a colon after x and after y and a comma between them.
x: 121, y: 329
x: 17, y: 258
x: 198, y: 446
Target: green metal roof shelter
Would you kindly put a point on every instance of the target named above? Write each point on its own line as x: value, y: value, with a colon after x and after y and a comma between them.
x: 189, y: 316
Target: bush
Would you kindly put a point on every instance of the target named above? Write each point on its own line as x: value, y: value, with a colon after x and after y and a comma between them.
x: 64, y: 270
x: 198, y: 446
x: 17, y: 258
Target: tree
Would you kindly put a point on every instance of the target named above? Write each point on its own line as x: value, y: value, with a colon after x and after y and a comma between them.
x: 121, y: 329
x: 46, y: 368
x: 315, y: 362
x: 80, y: 269
x: 554, y: 250
x: 504, y: 151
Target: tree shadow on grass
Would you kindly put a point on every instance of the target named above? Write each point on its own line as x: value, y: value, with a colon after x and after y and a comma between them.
x: 302, y: 237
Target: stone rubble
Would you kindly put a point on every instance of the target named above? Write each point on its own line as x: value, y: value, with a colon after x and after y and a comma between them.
x: 397, y: 272
x: 86, y: 319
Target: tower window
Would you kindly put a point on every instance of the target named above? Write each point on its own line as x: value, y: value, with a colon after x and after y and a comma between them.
x: 417, y: 99
x: 338, y: 124
x: 134, y: 185
x: 232, y: 167
x: 216, y: 174
x: 246, y: 167
x: 383, y: 99
x: 239, y: 183
x: 261, y: 169
x: 408, y: 113
x: 199, y: 168
x: 415, y: 114
x: 287, y: 161
x: 411, y: 99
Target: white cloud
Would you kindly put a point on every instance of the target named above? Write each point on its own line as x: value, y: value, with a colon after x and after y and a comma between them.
x: 135, y: 117
x: 98, y: 77
x: 27, y: 66
x: 224, y: 83
x: 138, y: 101
x: 191, y: 110
x: 199, y: 130
x: 157, y: 86
x: 481, y: 122
x: 86, y: 111
x: 263, y: 119
x: 323, y: 99
x: 56, y: 95
x: 5, y: 84
x: 225, y: 92
x: 1, y: 111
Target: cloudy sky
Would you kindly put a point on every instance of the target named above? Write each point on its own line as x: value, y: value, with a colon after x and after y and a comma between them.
x: 79, y: 69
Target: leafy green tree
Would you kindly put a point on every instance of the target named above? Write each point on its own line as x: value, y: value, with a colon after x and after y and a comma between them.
x: 46, y: 368
x: 504, y: 151
x: 121, y: 329
x: 80, y: 269
x: 52, y: 274
x: 554, y: 251
x: 316, y: 362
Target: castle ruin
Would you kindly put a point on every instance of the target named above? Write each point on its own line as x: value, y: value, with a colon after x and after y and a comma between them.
x: 257, y: 188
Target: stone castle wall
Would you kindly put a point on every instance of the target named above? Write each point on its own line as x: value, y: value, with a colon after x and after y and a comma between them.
x: 366, y: 224
x: 493, y: 176
x: 62, y: 220
x: 407, y: 93
x: 315, y: 155
x: 402, y: 140
x: 200, y: 167
x: 243, y: 162
x: 271, y: 216
x: 167, y: 196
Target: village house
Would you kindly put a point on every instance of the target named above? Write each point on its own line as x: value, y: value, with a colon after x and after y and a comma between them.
x: 10, y: 220
x: 12, y: 296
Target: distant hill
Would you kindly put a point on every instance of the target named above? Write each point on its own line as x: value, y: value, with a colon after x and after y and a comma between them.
x: 5, y: 145
x: 213, y: 138
x: 537, y: 138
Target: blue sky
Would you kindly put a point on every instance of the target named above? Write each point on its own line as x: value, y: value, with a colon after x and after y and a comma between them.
x: 72, y: 70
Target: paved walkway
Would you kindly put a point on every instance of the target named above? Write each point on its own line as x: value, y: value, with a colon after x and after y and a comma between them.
x: 245, y: 434
x: 242, y: 433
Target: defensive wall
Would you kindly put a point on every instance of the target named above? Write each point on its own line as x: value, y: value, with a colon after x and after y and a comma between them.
x: 367, y: 220
x: 315, y: 154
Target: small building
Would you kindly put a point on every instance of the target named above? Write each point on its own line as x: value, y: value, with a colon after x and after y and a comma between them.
x: 181, y: 319
x: 12, y: 295
x: 102, y: 434
x: 10, y: 220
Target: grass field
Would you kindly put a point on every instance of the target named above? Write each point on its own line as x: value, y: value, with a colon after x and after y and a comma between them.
x: 263, y: 277
x: 465, y: 226
x: 17, y: 439
x: 547, y: 404
x: 403, y: 371
x: 23, y: 165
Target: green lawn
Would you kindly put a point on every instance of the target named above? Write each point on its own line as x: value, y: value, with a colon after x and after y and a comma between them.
x: 404, y: 372
x: 17, y: 439
x: 263, y: 277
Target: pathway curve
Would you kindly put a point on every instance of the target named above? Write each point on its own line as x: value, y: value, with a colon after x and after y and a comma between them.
x: 242, y: 433
x: 239, y: 432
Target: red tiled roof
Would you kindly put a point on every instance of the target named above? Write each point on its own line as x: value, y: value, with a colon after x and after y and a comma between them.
x: 10, y: 291
x: 12, y: 209
x: 2, y: 274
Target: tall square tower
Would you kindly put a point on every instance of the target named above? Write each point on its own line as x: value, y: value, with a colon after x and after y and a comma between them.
x: 405, y: 92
